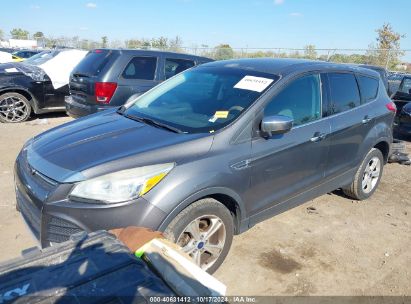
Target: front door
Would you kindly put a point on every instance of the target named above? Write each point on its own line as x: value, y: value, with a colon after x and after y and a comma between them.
x: 286, y: 165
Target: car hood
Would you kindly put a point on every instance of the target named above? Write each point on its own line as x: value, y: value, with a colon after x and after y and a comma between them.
x: 11, y: 70
x: 108, y: 142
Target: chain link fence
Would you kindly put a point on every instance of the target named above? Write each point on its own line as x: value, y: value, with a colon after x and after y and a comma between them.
x: 396, y: 60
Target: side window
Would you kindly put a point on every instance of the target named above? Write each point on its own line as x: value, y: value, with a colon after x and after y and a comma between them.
x: 175, y: 66
x: 406, y: 86
x: 369, y: 87
x: 300, y: 100
x: 141, y: 68
x: 344, y: 92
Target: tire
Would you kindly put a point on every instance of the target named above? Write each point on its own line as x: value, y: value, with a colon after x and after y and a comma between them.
x: 356, y: 190
x: 205, y: 214
x: 14, y: 108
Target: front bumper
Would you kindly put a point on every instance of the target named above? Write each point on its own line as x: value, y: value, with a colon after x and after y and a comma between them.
x: 76, y: 109
x: 53, y: 218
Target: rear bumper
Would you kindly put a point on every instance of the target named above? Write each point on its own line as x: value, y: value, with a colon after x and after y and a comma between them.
x: 76, y: 109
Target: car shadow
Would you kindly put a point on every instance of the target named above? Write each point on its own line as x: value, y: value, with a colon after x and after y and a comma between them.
x: 47, y: 116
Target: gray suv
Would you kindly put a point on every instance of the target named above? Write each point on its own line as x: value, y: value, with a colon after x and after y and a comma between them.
x: 106, y: 78
x: 209, y: 153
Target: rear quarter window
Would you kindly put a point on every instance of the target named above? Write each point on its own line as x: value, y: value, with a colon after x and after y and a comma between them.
x: 143, y: 68
x: 344, y: 92
x: 369, y: 87
x: 175, y: 66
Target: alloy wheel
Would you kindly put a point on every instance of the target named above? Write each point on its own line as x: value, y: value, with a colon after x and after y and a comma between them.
x: 13, y: 109
x: 203, y: 240
x: 371, y: 175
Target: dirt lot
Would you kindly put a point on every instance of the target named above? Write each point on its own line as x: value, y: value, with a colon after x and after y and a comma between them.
x: 339, y: 247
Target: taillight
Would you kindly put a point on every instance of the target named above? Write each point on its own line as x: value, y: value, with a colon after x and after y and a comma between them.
x: 104, y: 91
x: 391, y: 107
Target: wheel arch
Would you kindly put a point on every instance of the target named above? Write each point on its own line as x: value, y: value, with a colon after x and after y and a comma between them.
x: 384, y: 147
x: 26, y: 93
x: 226, y: 196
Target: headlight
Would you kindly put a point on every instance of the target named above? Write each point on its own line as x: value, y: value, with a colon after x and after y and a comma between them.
x: 123, y: 185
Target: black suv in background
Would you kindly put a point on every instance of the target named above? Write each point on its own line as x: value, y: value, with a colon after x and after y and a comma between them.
x: 402, y: 99
x: 107, y: 78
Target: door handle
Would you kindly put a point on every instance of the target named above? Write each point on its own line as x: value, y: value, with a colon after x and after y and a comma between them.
x: 366, y: 120
x: 318, y: 137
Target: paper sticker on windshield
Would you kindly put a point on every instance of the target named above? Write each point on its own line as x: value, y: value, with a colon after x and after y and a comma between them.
x: 217, y: 115
x: 221, y: 114
x: 251, y: 83
x: 11, y: 70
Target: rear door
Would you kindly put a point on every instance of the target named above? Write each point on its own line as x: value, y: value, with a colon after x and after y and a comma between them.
x: 140, y: 74
x: 285, y: 165
x: 351, y: 120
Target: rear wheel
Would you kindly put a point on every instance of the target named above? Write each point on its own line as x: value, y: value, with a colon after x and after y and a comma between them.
x: 205, y: 231
x: 368, y: 176
x: 14, y: 107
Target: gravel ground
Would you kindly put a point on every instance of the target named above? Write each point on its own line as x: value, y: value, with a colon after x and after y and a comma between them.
x: 329, y: 246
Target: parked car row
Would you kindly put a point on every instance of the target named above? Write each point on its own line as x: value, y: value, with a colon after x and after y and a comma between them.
x: 98, y: 80
x: 106, y: 79
x: 205, y: 154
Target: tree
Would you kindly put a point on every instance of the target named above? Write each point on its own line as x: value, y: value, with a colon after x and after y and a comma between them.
x: 38, y: 35
x: 115, y: 44
x: 387, y: 51
x: 18, y: 33
x: 133, y: 44
x: 223, y: 52
x: 176, y: 44
x: 159, y: 43
x: 41, y: 40
x: 310, y: 52
x: 104, y: 41
x: 1, y: 34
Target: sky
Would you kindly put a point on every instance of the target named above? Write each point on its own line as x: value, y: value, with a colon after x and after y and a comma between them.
x: 240, y: 23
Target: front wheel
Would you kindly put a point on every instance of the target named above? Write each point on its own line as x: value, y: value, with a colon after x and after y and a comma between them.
x: 205, y: 232
x: 368, y: 176
x: 14, y: 108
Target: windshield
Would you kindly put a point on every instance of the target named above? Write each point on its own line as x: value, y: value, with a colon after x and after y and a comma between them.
x: 41, y: 58
x: 203, y: 99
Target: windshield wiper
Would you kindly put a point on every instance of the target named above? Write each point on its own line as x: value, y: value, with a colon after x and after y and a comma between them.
x: 154, y: 123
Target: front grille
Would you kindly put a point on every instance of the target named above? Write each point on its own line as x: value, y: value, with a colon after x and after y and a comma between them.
x: 30, y: 213
x: 59, y: 230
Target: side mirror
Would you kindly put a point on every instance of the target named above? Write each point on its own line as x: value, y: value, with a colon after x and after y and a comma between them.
x: 277, y: 124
